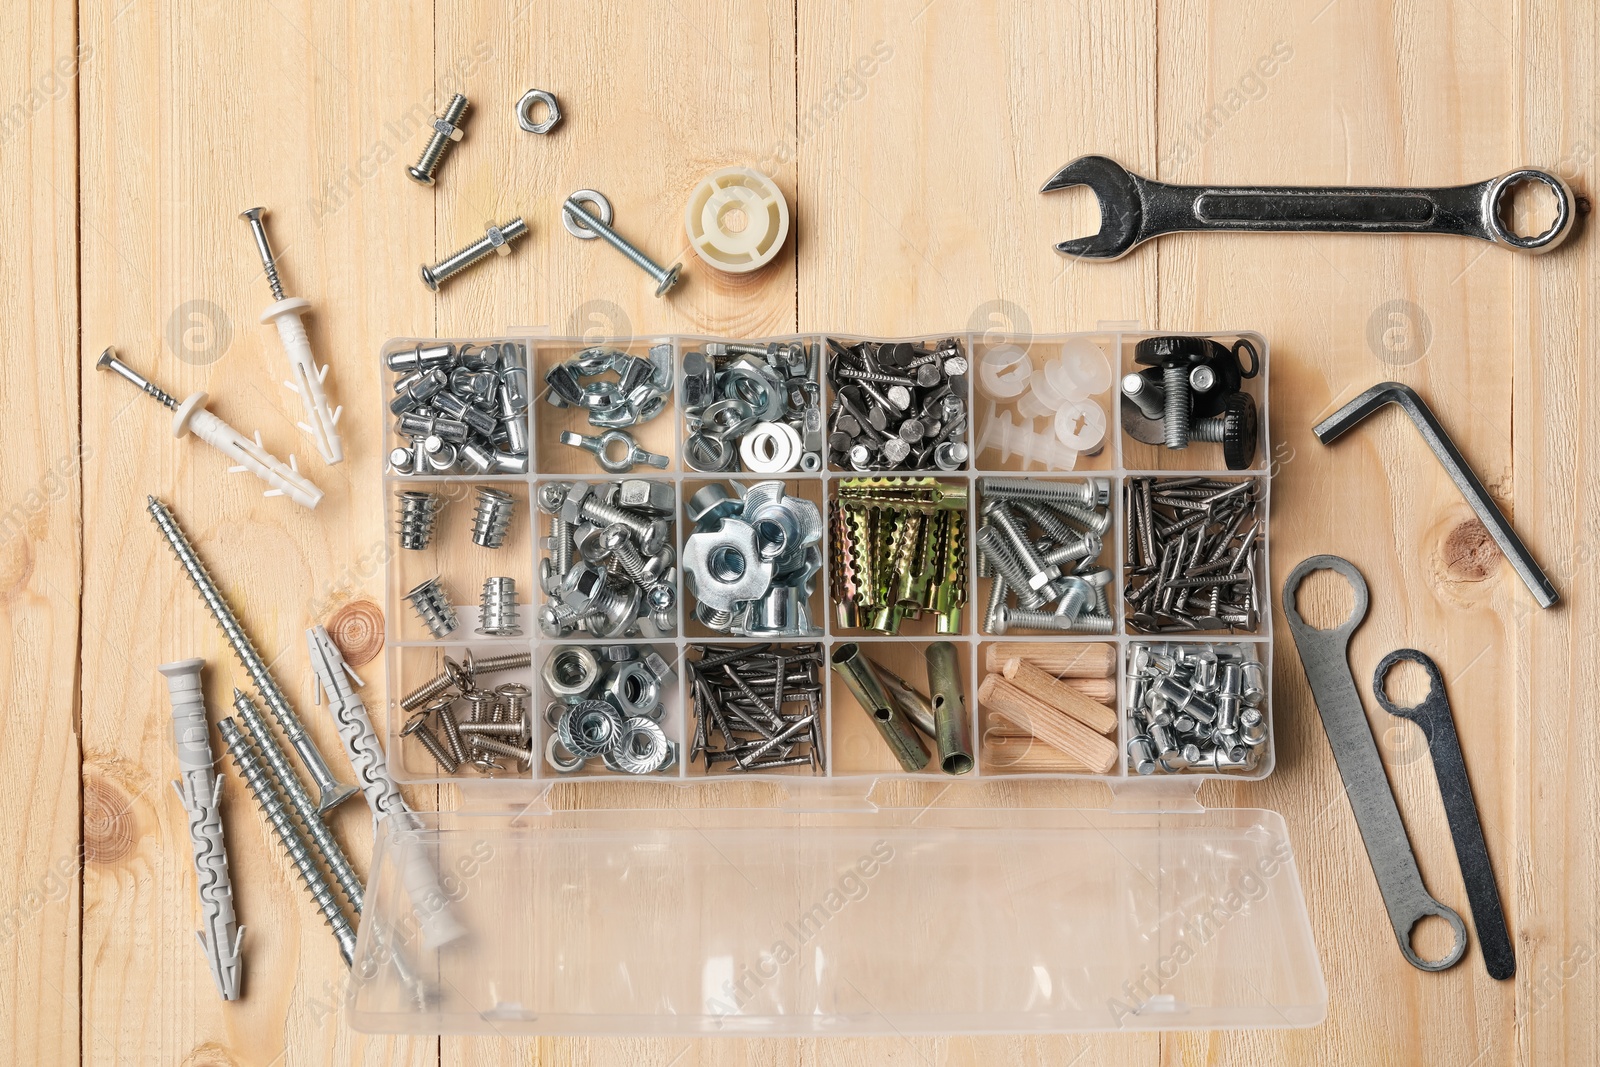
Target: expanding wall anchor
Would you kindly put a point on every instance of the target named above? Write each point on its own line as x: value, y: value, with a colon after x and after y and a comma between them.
x: 305, y: 378
x: 249, y: 454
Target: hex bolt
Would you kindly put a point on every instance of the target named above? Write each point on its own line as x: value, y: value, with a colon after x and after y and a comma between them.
x: 258, y: 779
x: 330, y: 791
x: 1040, y: 576
x: 498, y: 239
x: 446, y: 132
x: 991, y: 544
x: 651, y: 534
x: 665, y: 278
x: 320, y: 838
x: 417, y: 727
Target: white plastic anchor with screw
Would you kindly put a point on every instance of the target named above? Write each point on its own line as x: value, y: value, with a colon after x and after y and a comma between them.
x: 248, y: 454
x: 438, y: 924
x: 305, y: 379
x: 200, y: 789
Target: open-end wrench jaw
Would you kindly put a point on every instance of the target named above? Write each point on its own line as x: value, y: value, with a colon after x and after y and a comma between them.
x: 1121, y: 206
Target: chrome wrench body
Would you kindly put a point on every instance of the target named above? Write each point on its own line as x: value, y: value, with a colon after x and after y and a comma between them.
x: 1325, y: 656
x: 1134, y: 209
x: 1432, y: 713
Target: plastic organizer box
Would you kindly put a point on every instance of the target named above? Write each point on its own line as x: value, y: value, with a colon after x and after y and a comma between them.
x: 831, y: 912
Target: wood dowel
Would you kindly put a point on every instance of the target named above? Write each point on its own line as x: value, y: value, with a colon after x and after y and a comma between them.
x: 1102, y: 689
x: 1077, y: 659
x: 1003, y: 754
x: 1061, y: 696
x: 1007, y: 702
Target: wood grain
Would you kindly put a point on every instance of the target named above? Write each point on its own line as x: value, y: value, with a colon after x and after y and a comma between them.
x: 40, y: 541
x: 911, y: 138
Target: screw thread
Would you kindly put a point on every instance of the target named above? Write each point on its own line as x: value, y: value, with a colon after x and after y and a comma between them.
x: 450, y: 726
x: 508, y: 661
x: 283, y: 777
x: 441, y: 141
x: 991, y: 543
x: 1044, y: 620
x: 427, y: 691
x: 418, y: 512
x: 127, y: 373
x: 1022, y: 550
x: 561, y: 544
x: 465, y: 257
x: 497, y: 608
x: 870, y: 376
x: 997, y: 601
x: 1210, y: 431
x: 615, y: 240
x: 492, y: 519
x: 1082, y: 493
x: 425, y: 737
x: 1175, y: 419
x: 602, y: 514
x: 433, y: 608
x: 501, y: 748
x: 256, y: 776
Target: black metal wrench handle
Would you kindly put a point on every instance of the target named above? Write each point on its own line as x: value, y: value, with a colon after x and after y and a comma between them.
x: 1134, y: 209
x: 1325, y: 656
x: 1432, y: 713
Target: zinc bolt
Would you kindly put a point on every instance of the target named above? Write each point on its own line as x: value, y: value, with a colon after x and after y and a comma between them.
x: 417, y: 727
x: 496, y: 239
x: 665, y: 278
x: 446, y: 132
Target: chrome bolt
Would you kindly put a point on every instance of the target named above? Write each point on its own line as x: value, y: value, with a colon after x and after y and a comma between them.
x: 446, y: 132
x: 496, y: 239
x: 581, y: 217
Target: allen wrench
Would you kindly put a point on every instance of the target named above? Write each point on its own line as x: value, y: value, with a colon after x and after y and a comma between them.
x: 1494, y: 520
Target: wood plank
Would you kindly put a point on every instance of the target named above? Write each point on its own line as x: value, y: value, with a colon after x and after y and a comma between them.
x: 40, y: 539
x: 193, y: 116
x: 1554, y: 808
x: 1315, y: 94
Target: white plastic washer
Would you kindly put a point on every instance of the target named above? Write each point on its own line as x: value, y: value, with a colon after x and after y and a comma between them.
x: 598, y: 206
x: 766, y: 449
x: 1081, y: 371
x: 723, y: 194
x: 1003, y: 372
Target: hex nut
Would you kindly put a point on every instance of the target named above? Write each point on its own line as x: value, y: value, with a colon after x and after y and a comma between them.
x: 572, y: 503
x: 658, y: 666
x: 619, y: 653
x: 569, y: 673
x: 633, y: 690
x: 642, y: 494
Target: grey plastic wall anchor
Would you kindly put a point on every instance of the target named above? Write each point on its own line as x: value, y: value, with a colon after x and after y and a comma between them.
x: 199, y: 790
x: 438, y: 923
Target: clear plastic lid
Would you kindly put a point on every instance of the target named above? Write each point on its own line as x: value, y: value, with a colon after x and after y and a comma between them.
x: 897, y: 921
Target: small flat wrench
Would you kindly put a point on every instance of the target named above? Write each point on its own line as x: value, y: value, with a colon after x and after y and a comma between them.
x: 1325, y: 656
x: 1135, y: 209
x: 1432, y: 713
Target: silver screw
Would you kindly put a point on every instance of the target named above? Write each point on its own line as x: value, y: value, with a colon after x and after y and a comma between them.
x: 257, y: 777
x: 1175, y: 384
x: 254, y: 215
x: 1044, y: 620
x: 418, y: 727
x: 446, y: 132
x: 495, y: 239
x: 111, y: 363
x: 284, y: 780
x: 665, y: 278
x: 331, y: 792
x: 1085, y: 493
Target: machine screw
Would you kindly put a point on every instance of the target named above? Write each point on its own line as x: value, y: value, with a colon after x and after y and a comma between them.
x: 665, y: 278
x: 450, y: 726
x: 258, y: 778
x: 417, y: 727
x: 321, y: 839
x: 446, y: 132
x: 330, y: 791
x: 1083, y: 494
x: 1043, y: 620
x: 496, y: 239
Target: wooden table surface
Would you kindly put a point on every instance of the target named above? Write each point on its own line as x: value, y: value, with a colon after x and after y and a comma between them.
x: 911, y: 139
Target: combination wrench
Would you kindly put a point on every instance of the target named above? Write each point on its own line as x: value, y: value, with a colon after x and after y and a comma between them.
x: 1433, y: 714
x: 1135, y: 209
x: 1325, y: 656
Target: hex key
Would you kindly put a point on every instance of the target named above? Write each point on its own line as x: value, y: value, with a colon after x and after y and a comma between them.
x: 1334, y: 426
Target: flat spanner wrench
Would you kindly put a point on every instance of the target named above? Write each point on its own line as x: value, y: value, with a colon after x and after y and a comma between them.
x: 1433, y: 714
x: 1325, y: 656
x: 1135, y: 209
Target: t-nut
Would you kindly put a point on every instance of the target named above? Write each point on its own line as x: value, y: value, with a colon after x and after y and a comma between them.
x: 710, y: 503
x: 570, y: 672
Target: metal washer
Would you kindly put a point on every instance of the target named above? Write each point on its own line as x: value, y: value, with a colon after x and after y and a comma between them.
x: 601, y: 209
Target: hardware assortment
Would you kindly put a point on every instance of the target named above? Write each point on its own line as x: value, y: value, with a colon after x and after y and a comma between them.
x: 1193, y: 554
x: 1045, y: 709
x: 495, y: 735
x: 898, y: 405
x: 740, y: 695
x: 751, y: 562
x: 1041, y: 542
x: 461, y: 408
x: 1191, y: 389
x: 607, y: 702
x: 609, y: 570
x: 899, y: 551
x: 1062, y: 391
x: 1194, y: 708
x: 752, y: 407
